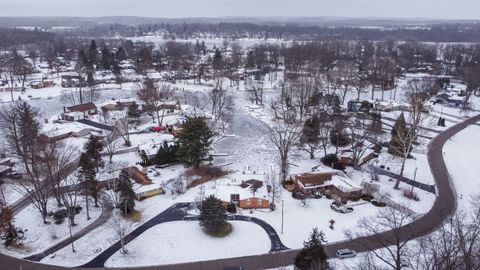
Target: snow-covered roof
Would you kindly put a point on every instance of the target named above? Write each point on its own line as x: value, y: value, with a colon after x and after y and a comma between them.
x: 225, y: 187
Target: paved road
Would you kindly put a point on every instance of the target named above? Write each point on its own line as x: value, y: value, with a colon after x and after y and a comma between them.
x: 422, y: 186
x: 444, y: 206
x: 275, y: 241
x: 107, y: 209
x: 179, y: 212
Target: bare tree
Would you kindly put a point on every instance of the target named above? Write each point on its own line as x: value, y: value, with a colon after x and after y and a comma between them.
x: 120, y: 226
x: 284, y: 136
x: 387, y: 241
x: 359, y: 143
x: 275, y: 186
x: 111, y: 147
x: 57, y: 160
x: 122, y: 129
x: 69, y: 199
x: 154, y: 97
x: 222, y: 102
x: 255, y: 91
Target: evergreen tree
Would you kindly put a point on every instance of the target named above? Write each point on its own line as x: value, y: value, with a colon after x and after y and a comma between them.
x: 213, y: 217
x: 126, y: 201
x: 120, y: 55
x: 376, y: 124
x: 133, y: 111
x: 105, y: 57
x: 194, y: 141
x: 88, y: 179
x: 311, y: 135
x: 93, y: 148
x: 27, y: 126
x: 92, y: 55
x: 400, y: 137
x: 217, y: 62
x: 166, y: 154
x: 313, y: 256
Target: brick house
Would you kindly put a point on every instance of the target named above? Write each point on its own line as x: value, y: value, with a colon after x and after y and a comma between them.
x: 334, y: 183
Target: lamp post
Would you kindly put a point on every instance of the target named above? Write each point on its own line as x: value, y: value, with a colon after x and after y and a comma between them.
x: 282, y: 218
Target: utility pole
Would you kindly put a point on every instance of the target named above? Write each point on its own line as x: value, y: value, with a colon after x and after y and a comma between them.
x: 282, y: 218
x: 414, y: 177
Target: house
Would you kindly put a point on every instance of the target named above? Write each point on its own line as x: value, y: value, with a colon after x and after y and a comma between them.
x: 69, y: 81
x: 37, y: 85
x: 118, y: 104
x: 330, y: 182
x: 346, y: 157
x: 446, y: 98
x: 80, y: 111
x: 246, y: 194
x: 5, y: 170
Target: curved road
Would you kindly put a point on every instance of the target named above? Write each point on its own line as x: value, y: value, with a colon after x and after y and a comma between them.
x: 444, y: 206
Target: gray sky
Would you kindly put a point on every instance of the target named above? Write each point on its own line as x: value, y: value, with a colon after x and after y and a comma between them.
x: 441, y: 9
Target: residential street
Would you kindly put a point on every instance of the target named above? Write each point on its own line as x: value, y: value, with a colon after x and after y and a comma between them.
x: 443, y: 208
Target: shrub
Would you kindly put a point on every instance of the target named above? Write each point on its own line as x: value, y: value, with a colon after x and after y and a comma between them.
x: 231, y: 208
x: 379, y: 204
x: 367, y: 197
x: 329, y: 160
x: 60, y: 215
x: 355, y: 198
x: 298, y: 195
x: 331, y: 223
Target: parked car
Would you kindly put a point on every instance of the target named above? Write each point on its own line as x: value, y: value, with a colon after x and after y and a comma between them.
x: 341, y: 208
x: 157, y: 129
x: 345, y: 253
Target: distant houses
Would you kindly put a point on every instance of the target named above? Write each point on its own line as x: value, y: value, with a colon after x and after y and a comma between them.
x: 80, y: 111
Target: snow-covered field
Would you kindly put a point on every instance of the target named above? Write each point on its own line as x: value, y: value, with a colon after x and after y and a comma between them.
x: 461, y: 155
x: 178, y: 242
x: 40, y: 236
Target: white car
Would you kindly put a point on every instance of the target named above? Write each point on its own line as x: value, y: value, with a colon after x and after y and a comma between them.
x: 345, y: 253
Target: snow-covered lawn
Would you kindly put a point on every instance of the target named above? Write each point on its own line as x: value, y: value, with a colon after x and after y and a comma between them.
x: 299, y: 221
x: 461, y: 155
x: 10, y: 191
x: 178, y: 242
x: 40, y: 236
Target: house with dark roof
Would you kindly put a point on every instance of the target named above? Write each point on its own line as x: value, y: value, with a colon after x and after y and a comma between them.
x: 330, y: 182
x: 79, y: 111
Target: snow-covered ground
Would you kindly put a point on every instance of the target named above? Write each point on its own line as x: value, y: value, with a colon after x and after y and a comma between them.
x: 461, y: 155
x: 10, y: 192
x: 40, y: 236
x: 178, y: 242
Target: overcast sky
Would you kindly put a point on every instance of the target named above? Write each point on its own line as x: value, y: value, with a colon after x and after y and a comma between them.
x: 441, y: 9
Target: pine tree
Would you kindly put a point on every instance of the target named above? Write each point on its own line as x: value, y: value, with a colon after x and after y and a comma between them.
x: 194, y: 141
x: 400, y: 134
x: 133, y: 111
x: 376, y: 124
x: 126, y: 202
x: 311, y: 135
x: 93, y: 148
x: 213, y: 217
x: 120, y: 55
x: 27, y: 126
x: 88, y: 179
x: 166, y: 154
x: 105, y: 57
x: 313, y: 256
